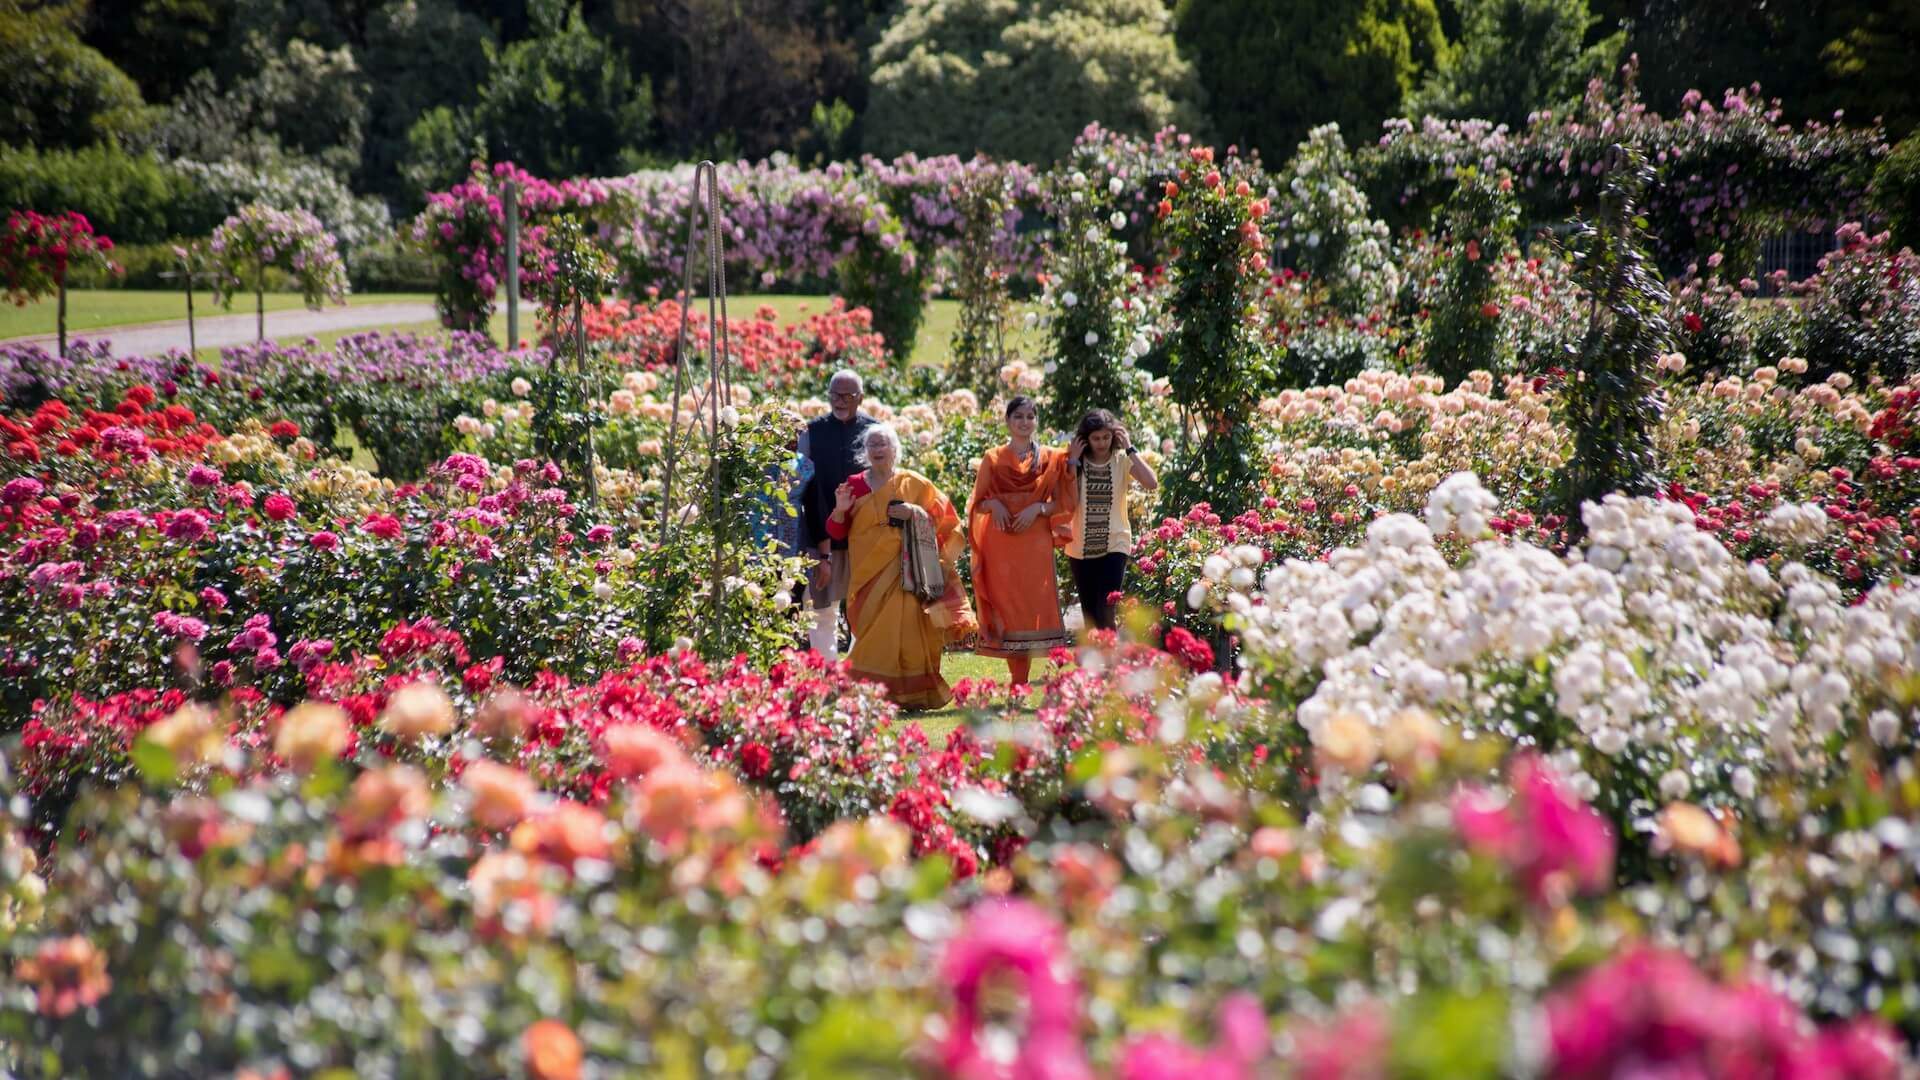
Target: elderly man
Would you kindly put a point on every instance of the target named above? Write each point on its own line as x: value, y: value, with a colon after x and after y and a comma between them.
x: 833, y: 444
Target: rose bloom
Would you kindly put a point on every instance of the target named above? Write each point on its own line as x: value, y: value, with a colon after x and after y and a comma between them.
x: 501, y: 879
x: 1346, y: 741
x: 383, y: 798
x: 635, y: 750
x: 565, y: 834
x: 502, y: 795
x: 278, y: 507
x: 67, y: 975
x: 678, y: 799
x: 553, y: 1051
x: 191, y: 734
x: 416, y: 710
x: 502, y: 716
x: 310, y: 733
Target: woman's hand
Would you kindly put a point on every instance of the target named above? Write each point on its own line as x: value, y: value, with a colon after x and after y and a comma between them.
x: 1120, y: 440
x: 899, y: 512
x: 843, y: 499
x: 1026, y: 518
x: 1078, y: 448
x: 999, y: 512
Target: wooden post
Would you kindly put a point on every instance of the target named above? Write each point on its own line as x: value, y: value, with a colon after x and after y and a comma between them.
x: 193, y: 341
x: 61, y: 315
x: 510, y: 200
x: 260, y: 301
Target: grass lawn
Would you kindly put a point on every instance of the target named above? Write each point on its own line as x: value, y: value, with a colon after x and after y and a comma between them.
x: 957, y: 666
x: 93, y: 309
x: 96, y: 309
x: 930, y: 344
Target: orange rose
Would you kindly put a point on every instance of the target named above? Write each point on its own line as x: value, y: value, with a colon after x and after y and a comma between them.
x: 565, y: 834
x: 499, y: 879
x: 502, y: 795
x: 553, y: 1051
x: 311, y: 733
x: 190, y: 733
x: 381, y: 799
x: 416, y: 710
x: 67, y: 975
x: 634, y: 750
x: 502, y: 716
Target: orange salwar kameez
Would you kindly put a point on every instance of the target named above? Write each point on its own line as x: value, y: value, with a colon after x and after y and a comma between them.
x: 1015, y: 595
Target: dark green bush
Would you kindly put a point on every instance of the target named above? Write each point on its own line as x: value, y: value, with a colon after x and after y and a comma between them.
x: 135, y: 199
x: 1896, y: 192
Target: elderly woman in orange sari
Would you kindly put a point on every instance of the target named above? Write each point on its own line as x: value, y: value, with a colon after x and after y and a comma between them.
x: 904, y: 597
x: 1015, y: 495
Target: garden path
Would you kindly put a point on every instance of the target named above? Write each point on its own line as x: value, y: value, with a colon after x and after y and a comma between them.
x: 219, y: 331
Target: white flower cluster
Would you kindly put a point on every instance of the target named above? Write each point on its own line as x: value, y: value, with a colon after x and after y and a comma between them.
x: 1324, y: 212
x: 1653, y: 643
x: 1795, y: 524
x: 1460, y: 505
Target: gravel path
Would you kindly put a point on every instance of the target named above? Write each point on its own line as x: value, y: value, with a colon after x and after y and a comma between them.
x: 218, y: 331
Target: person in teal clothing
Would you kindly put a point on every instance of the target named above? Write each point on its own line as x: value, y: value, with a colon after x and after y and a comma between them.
x: 778, y: 519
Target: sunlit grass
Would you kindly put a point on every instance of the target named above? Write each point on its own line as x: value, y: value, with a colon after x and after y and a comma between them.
x: 98, y: 309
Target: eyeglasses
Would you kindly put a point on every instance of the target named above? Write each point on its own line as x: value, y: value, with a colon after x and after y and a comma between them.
x: 839, y: 395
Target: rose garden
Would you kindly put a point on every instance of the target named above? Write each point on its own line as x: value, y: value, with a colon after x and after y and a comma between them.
x: 1518, y: 675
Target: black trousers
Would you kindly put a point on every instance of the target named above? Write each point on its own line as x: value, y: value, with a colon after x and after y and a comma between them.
x: 1095, y: 580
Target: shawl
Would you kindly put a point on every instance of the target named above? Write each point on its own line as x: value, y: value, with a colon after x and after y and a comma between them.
x: 920, y: 571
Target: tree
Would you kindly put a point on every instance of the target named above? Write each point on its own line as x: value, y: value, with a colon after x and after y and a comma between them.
x: 1479, y: 76
x: 300, y: 98
x: 56, y: 91
x: 149, y: 39
x: 1273, y: 71
x: 746, y: 76
x: 1870, y: 64
x: 420, y: 55
x: 562, y: 102
x: 1612, y: 399
x: 1019, y: 81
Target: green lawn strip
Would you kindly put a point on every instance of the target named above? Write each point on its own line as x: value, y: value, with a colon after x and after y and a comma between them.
x: 956, y: 666
x: 96, y: 309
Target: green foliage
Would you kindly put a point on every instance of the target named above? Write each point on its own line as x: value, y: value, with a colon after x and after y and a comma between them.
x: 1272, y: 71
x: 1092, y: 344
x: 1476, y: 230
x: 1612, y: 401
x: 1896, y: 192
x: 884, y: 274
x: 751, y: 77
x: 134, y: 198
x: 56, y: 91
x: 1852, y: 55
x: 1215, y: 358
x: 420, y: 55
x: 1020, y: 81
x: 570, y: 409
x: 563, y: 102
x: 1326, y: 228
x: 297, y: 99
x: 979, y: 345
x: 1516, y: 56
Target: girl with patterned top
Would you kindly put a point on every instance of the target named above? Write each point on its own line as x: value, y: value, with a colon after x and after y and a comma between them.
x: 1105, y: 469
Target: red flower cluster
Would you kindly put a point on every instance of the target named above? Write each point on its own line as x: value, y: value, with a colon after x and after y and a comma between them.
x: 36, y: 250
x: 129, y: 433
x: 779, y: 358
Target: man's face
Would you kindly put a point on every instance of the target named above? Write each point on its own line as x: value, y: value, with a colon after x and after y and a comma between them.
x: 844, y: 395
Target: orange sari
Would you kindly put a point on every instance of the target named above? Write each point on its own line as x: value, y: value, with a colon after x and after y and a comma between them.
x: 1014, y: 590
x: 898, y: 639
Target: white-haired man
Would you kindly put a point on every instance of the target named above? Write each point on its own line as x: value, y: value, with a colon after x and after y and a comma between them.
x: 832, y: 443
